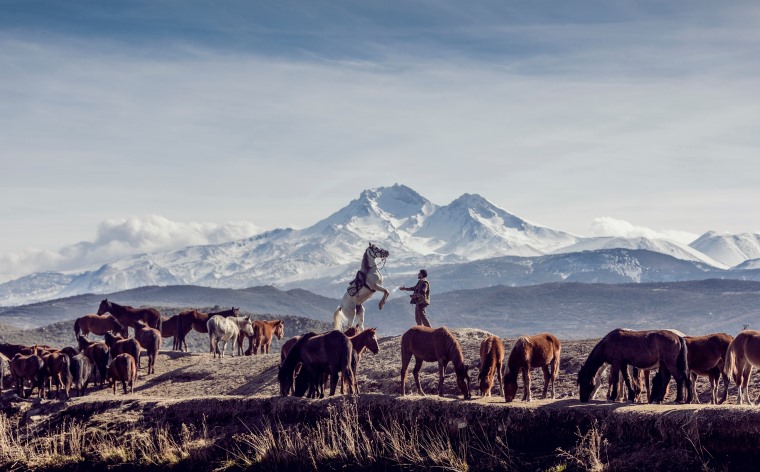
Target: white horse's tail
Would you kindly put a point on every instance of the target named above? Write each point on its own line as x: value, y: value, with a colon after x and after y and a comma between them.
x: 339, y: 319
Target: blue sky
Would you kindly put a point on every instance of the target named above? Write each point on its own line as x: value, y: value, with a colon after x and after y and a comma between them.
x: 136, y: 126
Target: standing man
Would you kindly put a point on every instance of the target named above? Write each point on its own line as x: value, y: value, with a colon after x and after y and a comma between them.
x: 420, y: 298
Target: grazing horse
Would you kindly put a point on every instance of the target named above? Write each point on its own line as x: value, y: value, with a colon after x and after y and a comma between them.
x: 99, y: 325
x: 30, y: 367
x: 741, y: 356
x: 431, y: 345
x: 646, y: 350
x: 128, y: 315
x: 491, y: 361
x: 706, y: 355
x: 81, y: 368
x: 118, y: 346
x: 123, y: 369
x: 97, y: 353
x: 318, y: 353
x: 150, y: 340
x: 221, y: 329
x: 58, y: 367
x: 196, y: 320
x: 361, y: 289
x: 529, y: 352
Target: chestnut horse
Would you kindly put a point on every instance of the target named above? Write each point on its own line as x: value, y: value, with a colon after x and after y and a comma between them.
x: 123, y: 346
x: 268, y: 329
x: 741, y: 356
x: 646, y: 350
x: 491, y: 361
x: 150, y: 340
x: 706, y: 356
x: 30, y: 367
x: 98, y: 324
x: 529, y: 352
x: 431, y: 345
x: 128, y: 315
x: 169, y: 330
x: 122, y: 369
x: 196, y: 320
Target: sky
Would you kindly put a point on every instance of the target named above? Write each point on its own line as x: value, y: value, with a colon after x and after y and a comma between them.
x: 138, y: 126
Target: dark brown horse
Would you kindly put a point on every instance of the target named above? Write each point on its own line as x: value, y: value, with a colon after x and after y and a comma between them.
x: 58, y: 370
x: 360, y: 342
x: 123, y: 346
x: 99, y: 325
x: 122, y: 369
x: 433, y: 345
x: 98, y: 354
x: 196, y: 320
x: 706, y: 356
x: 81, y: 368
x: 30, y: 367
x: 169, y: 330
x: 530, y: 352
x: 741, y: 356
x: 491, y: 361
x: 128, y: 315
x: 150, y: 339
x: 10, y: 350
x: 318, y: 353
x: 646, y: 350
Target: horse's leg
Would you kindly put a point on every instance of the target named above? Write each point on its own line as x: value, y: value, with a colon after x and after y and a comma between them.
x: 416, y: 373
x: 385, y: 291
x: 441, y: 366
x: 359, y: 317
x: 693, y: 386
x: 499, y: 369
x: 614, y: 377
x: 527, y: 396
x: 405, y: 358
x: 547, y: 377
x: 627, y: 382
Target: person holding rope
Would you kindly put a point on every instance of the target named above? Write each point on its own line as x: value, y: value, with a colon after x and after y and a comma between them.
x: 420, y: 298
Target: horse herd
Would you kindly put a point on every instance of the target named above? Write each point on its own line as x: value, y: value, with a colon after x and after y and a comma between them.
x: 312, y: 361
x: 117, y: 358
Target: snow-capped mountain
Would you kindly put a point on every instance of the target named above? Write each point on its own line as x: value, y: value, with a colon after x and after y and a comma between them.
x: 418, y: 233
x: 730, y: 249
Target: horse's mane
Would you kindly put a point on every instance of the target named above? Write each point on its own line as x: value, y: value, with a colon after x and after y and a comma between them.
x: 454, y: 350
x: 366, y: 261
x: 488, y: 364
x: 594, y: 360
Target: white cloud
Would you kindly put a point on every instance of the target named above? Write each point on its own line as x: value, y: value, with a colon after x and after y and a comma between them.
x: 606, y: 226
x: 119, y: 238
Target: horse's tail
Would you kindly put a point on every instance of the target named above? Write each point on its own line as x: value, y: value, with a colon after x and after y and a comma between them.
x: 338, y: 318
x: 66, y: 377
x: 77, y: 329
x: 682, y: 360
x: 729, y: 365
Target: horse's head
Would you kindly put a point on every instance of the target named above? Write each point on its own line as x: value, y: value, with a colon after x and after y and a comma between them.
x: 463, y: 380
x: 372, y: 344
x: 485, y: 381
x: 375, y: 252
x: 247, y: 326
x: 235, y: 311
x: 279, y: 329
x: 285, y: 377
x: 585, y: 383
x: 119, y: 328
x: 509, y: 385
x: 105, y: 307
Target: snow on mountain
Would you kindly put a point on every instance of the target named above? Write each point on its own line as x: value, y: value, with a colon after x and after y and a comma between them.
x: 672, y: 248
x: 730, y: 249
x: 751, y: 264
x: 325, y: 256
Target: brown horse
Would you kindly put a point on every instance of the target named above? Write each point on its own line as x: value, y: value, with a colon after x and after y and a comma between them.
x: 491, y: 360
x: 98, y: 354
x: 122, y: 369
x: 81, y: 368
x: 10, y: 350
x: 30, y: 367
x: 169, y: 330
x: 741, y: 356
x: 150, y: 339
x: 99, y: 325
x: 364, y: 340
x: 128, y: 315
x: 318, y: 353
x: 268, y: 329
x: 646, y: 350
x: 123, y: 346
x: 529, y: 352
x: 196, y: 320
x: 58, y: 367
x: 706, y: 356
x: 431, y: 345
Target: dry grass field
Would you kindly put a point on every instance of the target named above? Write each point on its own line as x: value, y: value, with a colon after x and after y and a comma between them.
x: 202, y: 413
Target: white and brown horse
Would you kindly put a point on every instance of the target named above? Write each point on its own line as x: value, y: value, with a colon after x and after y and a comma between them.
x: 359, y: 291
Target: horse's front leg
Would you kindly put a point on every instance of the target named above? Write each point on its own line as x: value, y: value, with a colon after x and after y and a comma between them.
x: 416, y: 373
x: 385, y: 291
x: 614, y: 378
x: 627, y: 383
x: 527, y: 396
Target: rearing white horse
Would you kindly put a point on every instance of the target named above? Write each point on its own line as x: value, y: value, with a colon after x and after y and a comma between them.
x: 359, y: 291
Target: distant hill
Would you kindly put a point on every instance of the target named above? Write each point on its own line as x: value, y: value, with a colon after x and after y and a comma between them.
x: 570, y: 310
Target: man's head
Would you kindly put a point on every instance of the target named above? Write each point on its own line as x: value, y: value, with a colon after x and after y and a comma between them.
x: 422, y: 274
